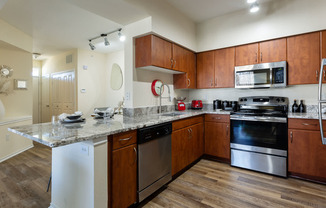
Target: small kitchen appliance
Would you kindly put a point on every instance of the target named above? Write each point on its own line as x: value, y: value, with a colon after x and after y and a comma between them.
x: 217, y: 104
x: 180, y: 106
x: 196, y: 104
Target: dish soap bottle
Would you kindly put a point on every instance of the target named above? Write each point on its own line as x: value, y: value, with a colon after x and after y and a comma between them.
x: 295, y: 107
x: 302, y: 107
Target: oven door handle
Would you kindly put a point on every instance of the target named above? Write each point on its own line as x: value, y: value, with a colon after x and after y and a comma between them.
x: 258, y: 119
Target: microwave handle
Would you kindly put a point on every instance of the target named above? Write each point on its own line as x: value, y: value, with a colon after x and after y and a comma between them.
x: 320, y: 101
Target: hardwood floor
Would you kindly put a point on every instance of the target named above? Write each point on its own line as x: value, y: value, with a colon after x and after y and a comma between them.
x: 213, y: 184
x: 24, y: 179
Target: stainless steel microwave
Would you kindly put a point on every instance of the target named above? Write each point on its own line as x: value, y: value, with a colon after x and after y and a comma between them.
x: 261, y: 75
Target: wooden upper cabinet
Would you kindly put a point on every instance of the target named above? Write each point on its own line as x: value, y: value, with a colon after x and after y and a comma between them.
x: 303, y: 56
x: 272, y: 51
x: 179, y: 58
x: 188, y: 62
x: 153, y: 51
x: 224, y: 67
x: 205, y: 69
x: 246, y: 54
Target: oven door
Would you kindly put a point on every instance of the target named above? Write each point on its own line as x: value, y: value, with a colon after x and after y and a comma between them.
x: 264, y: 132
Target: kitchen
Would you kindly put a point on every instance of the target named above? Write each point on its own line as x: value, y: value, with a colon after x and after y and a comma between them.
x: 136, y: 83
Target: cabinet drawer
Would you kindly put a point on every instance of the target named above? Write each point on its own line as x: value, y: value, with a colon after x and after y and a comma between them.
x: 124, y: 139
x: 217, y: 118
x: 186, y: 122
x: 304, y: 124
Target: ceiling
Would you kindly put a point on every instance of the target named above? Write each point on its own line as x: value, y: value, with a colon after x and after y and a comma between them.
x: 61, y: 25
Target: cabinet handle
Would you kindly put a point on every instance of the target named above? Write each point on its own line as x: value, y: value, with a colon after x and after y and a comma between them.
x: 126, y: 139
x: 217, y: 118
x: 171, y: 63
x: 175, y: 63
x: 324, y: 75
x: 215, y: 81
x: 188, y: 133
x: 261, y: 57
x: 188, y: 82
x: 135, y: 150
x: 256, y: 57
x: 211, y: 81
x: 227, y: 130
x: 291, y: 136
x: 316, y: 75
x: 307, y: 124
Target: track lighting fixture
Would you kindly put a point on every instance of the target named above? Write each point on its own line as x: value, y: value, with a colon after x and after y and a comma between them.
x: 254, y: 8
x: 106, y: 41
x: 121, y: 36
x: 251, y: 1
x: 91, y: 45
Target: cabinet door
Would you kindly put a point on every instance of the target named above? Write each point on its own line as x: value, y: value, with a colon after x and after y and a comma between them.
x: 179, y: 55
x: 307, y: 154
x: 272, y: 51
x: 217, y: 139
x: 124, y: 176
x: 196, y: 142
x: 224, y: 67
x: 187, y: 80
x: 205, y: 70
x: 179, y: 147
x: 303, y: 56
x: 246, y: 54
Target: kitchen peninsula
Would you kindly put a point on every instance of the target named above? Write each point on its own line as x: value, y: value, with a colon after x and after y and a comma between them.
x: 80, y: 154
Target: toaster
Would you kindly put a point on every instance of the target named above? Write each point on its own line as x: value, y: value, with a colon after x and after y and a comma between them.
x: 196, y: 104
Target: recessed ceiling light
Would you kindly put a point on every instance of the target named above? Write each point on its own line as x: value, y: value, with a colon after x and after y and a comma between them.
x: 254, y: 8
x: 251, y: 1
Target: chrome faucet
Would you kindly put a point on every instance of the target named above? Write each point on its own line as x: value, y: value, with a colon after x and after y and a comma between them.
x: 160, y: 109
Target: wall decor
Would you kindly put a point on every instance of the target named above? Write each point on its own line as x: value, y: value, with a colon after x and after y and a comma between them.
x: 20, y: 84
x: 6, y: 71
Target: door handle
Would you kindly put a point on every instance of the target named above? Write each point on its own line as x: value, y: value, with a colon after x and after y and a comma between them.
x: 135, y: 150
x: 126, y: 139
x: 307, y: 124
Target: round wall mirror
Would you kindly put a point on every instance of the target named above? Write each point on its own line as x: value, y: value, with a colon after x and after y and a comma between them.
x: 116, y: 77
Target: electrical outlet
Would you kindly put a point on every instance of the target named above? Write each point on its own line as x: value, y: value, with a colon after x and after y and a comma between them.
x: 85, y: 67
x: 84, y: 150
x: 127, y: 95
x: 7, y: 137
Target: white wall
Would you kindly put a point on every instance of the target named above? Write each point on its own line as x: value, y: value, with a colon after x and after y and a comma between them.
x: 94, y: 80
x: 277, y: 18
x: 18, y: 102
x: 114, y: 97
x: 12, y: 144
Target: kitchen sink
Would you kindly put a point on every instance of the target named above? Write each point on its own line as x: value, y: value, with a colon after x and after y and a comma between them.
x: 173, y: 114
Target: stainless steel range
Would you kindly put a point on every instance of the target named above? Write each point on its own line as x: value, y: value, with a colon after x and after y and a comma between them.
x: 259, y: 139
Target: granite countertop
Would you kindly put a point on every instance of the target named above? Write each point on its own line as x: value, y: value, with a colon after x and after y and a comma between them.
x: 312, y: 115
x: 63, y: 134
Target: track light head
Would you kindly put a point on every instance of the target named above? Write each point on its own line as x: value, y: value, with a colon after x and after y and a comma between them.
x: 121, y: 36
x: 254, y: 8
x: 106, y: 42
x: 91, y: 45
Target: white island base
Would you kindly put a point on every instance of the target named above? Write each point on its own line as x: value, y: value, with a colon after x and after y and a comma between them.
x: 79, y: 175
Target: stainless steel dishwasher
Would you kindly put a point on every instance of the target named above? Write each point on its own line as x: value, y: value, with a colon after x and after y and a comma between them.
x: 154, y: 158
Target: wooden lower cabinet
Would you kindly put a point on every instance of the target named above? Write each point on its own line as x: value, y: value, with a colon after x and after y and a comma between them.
x: 217, y: 139
x: 124, y: 176
x: 187, y: 146
x: 217, y: 136
x: 306, y: 154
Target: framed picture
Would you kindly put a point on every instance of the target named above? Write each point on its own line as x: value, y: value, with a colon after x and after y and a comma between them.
x: 20, y: 84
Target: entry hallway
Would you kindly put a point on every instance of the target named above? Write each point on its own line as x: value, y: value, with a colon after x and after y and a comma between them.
x: 24, y: 178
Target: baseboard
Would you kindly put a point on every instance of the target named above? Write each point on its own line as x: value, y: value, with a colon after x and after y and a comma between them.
x: 16, y: 153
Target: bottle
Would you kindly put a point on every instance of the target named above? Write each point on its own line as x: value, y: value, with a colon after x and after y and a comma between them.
x: 302, y: 107
x: 295, y: 107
